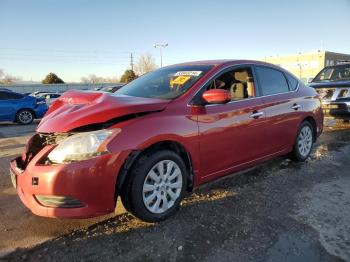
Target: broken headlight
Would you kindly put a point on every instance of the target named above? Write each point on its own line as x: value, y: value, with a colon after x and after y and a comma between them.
x: 82, y: 146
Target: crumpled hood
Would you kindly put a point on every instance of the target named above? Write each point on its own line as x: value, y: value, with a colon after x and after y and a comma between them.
x: 78, y: 108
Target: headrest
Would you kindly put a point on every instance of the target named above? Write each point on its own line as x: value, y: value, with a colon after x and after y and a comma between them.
x: 241, y: 76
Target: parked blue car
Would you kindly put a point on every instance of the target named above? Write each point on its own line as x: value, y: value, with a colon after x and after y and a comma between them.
x: 20, y: 108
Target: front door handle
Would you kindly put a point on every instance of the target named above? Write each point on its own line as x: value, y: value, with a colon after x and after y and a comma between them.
x: 296, y: 106
x: 256, y: 114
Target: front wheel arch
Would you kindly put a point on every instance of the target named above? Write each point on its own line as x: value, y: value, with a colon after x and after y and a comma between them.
x: 133, y: 194
x: 162, y: 145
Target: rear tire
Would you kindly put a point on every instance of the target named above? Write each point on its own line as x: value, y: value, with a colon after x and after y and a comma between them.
x: 303, y: 142
x: 155, y: 186
x: 24, y: 117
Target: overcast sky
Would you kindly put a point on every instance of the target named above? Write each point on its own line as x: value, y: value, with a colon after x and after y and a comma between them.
x: 74, y: 38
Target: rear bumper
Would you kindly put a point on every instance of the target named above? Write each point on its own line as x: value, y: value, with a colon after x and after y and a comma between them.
x: 336, y: 109
x: 91, y: 182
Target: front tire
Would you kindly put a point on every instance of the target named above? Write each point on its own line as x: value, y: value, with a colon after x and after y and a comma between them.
x: 155, y: 186
x: 24, y: 117
x: 303, y: 142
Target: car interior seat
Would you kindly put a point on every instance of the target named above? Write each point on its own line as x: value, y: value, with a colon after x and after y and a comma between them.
x: 238, y: 88
x: 250, y: 87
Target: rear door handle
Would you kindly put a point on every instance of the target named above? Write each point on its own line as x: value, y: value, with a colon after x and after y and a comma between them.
x: 256, y: 114
x: 296, y: 106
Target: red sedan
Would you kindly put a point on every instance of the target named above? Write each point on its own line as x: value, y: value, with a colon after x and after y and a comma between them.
x: 163, y: 134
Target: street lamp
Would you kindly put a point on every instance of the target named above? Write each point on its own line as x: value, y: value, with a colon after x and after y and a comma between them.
x: 160, y: 46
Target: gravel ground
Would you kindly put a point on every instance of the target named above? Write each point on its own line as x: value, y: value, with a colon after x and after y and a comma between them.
x: 279, y: 211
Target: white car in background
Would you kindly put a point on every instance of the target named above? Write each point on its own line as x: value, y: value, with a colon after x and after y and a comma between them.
x: 49, y: 97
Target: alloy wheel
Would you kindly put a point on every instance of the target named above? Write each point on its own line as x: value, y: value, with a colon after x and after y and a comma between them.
x: 162, y: 186
x: 305, y: 141
x: 25, y: 117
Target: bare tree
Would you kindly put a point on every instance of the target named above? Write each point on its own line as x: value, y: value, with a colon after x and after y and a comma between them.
x: 7, y: 79
x: 94, y: 79
x: 145, y: 64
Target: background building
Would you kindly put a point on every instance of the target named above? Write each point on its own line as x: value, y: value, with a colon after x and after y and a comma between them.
x: 307, y: 65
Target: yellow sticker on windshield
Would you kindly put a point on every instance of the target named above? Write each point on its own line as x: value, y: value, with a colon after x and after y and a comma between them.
x: 180, y: 80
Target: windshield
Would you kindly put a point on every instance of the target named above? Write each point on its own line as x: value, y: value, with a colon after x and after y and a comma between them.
x: 165, y: 83
x: 335, y: 73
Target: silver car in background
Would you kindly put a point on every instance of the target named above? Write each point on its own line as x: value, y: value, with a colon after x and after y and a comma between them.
x: 332, y: 84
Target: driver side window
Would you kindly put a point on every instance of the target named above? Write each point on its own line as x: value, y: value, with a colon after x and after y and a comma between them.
x: 239, y: 83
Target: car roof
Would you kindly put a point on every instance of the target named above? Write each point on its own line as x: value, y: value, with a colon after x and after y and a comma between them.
x: 10, y: 92
x: 223, y: 62
x: 49, y: 93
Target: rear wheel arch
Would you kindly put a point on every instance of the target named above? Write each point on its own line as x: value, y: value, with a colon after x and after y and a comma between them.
x: 303, y: 144
x: 122, y: 179
x: 312, y: 121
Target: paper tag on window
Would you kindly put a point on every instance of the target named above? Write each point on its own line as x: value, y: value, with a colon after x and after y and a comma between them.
x: 188, y: 73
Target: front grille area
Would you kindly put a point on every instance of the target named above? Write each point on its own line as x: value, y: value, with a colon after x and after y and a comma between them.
x: 325, y: 93
x: 58, y: 201
x: 331, y: 94
x: 38, y: 141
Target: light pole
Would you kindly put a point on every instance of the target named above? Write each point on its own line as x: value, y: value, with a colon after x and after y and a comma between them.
x: 160, y: 46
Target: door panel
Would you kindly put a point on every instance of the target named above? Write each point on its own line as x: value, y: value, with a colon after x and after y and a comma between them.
x: 282, y: 120
x: 229, y: 136
x: 282, y: 108
x: 7, y: 110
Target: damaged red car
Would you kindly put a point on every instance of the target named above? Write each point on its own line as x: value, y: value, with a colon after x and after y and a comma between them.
x: 161, y: 135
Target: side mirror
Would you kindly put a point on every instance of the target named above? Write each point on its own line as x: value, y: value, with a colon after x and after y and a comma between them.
x: 216, y: 96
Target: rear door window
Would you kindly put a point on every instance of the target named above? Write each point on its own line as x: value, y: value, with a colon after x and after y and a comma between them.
x: 2, y: 95
x: 272, y: 81
x: 9, y: 95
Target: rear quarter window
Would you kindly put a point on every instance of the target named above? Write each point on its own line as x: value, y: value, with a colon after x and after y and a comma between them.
x: 292, y: 81
x: 272, y: 81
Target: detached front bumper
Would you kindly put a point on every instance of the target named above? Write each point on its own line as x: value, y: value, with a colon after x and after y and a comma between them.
x: 76, y: 190
x: 337, y: 109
